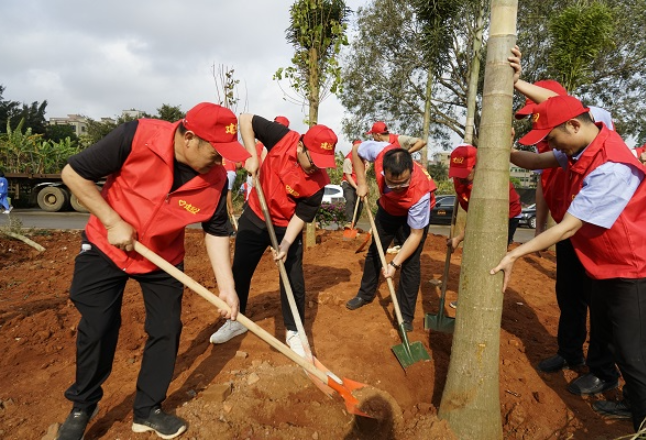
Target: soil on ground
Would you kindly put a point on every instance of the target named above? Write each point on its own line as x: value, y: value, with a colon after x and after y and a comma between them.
x: 245, y: 389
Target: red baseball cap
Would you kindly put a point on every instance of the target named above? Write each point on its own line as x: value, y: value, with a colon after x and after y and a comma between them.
x: 282, y: 120
x: 321, y: 141
x: 218, y: 126
x: 378, y: 128
x: 550, y: 114
x: 530, y: 105
x: 463, y: 159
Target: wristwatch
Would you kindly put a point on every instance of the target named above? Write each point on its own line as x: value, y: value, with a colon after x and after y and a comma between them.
x: 395, y: 265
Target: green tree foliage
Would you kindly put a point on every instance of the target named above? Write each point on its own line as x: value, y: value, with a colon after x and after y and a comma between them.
x: 438, y: 171
x: 317, y: 32
x: 613, y: 77
x: 8, y: 110
x: 29, y: 152
x: 170, y: 113
x: 386, y: 72
x: 59, y: 132
x: 578, y: 35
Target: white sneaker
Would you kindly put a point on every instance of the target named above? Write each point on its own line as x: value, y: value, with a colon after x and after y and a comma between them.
x: 228, y: 331
x: 394, y: 250
x: 294, y: 342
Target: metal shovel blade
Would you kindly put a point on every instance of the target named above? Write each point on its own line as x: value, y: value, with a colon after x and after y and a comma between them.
x: 349, y: 234
x: 407, y: 354
x: 439, y: 322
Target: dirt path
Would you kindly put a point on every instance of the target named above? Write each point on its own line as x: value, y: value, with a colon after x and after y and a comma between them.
x: 246, y: 390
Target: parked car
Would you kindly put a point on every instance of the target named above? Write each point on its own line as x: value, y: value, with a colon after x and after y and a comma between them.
x: 333, y: 194
x: 443, y: 210
x: 528, y: 218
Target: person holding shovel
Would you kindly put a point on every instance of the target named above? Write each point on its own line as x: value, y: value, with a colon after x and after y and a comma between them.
x: 405, y: 202
x: 349, y: 185
x: 605, y: 223
x: 161, y: 177
x: 293, y: 176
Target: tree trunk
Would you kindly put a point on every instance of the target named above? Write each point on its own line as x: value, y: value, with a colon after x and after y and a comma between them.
x: 427, y: 117
x: 314, y: 89
x: 472, y: 94
x: 474, y: 74
x: 471, y: 400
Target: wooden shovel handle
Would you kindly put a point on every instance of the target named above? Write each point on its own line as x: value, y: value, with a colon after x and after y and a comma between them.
x: 213, y: 299
x: 380, y: 251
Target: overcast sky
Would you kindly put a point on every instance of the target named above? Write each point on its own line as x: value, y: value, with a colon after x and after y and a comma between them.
x: 99, y: 58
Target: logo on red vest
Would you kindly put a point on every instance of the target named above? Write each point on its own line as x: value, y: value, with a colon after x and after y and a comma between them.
x: 190, y: 208
x: 292, y: 191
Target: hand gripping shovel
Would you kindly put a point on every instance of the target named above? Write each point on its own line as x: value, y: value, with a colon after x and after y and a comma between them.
x: 343, y: 387
x: 350, y: 234
x: 292, y: 301
x: 406, y: 353
x: 441, y: 322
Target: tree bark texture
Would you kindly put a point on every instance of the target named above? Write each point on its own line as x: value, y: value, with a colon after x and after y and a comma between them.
x: 471, y: 400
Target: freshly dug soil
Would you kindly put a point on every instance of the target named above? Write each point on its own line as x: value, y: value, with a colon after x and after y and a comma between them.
x: 244, y: 389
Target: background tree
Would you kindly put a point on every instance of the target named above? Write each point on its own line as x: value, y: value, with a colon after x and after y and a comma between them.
x: 470, y: 401
x: 8, y: 110
x: 317, y: 32
x: 58, y: 132
x: 614, y: 78
x: 412, y: 42
x: 170, y: 113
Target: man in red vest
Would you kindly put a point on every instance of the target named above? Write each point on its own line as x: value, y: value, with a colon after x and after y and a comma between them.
x: 462, y: 170
x: 293, y: 177
x: 162, y: 177
x: 349, y: 185
x: 605, y: 224
x: 573, y: 285
x: 406, y: 201
x: 380, y: 133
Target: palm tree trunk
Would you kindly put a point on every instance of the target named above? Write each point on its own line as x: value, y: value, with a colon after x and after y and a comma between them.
x: 471, y: 401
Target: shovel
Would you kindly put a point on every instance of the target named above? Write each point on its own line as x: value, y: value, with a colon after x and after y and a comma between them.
x: 441, y: 322
x: 344, y: 387
x: 289, y: 293
x: 350, y: 234
x: 365, y: 242
x: 407, y: 354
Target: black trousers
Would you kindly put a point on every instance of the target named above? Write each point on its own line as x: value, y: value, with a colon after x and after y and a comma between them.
x: 252, y: 241
x: 573, y: 290
x: 350, y: 195
x: 511, y: 229
x: 619, y: 307
x: 97, y: 292
x: 410, y: 276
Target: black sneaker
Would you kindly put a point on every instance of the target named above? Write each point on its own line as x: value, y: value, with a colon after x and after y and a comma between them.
x: 164, y: 425
x: 73, y: 428
x: 612, y: 409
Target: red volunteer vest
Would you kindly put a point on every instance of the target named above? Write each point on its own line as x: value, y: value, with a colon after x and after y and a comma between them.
x: 140, y: 193
x: 398, y: 204
x: 284, y: 181
x: 354, y: 173
x: 463, y: 193
x: 618, y: 252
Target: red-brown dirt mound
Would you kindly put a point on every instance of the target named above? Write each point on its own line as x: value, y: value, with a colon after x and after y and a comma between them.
x: 244, y: 389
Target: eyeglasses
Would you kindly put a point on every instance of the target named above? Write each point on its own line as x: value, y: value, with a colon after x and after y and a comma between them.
x: 399, y: 185
x: 312, y: 165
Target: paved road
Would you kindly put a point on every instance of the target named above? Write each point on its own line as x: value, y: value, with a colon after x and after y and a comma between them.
x: 37, y: 219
